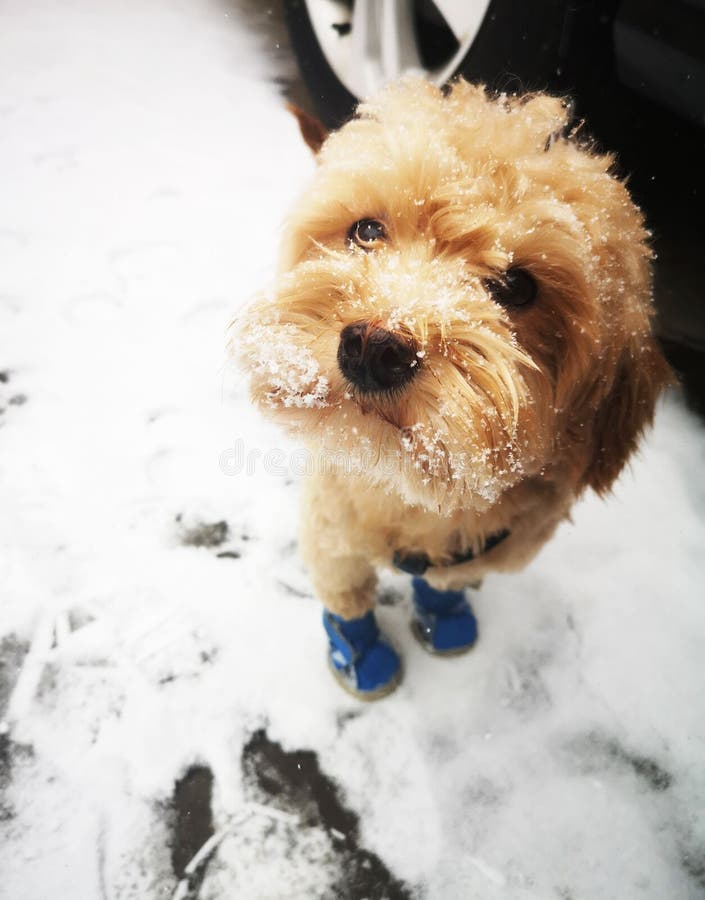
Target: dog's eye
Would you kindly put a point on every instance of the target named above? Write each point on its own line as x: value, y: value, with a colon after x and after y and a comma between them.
x: 366, y: 233
x: 515, y: 288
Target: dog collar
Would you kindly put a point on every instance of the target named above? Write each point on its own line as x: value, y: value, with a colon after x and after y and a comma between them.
x: 417, y: 563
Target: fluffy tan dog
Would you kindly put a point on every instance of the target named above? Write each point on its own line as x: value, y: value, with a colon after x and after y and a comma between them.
x: 461, y: 333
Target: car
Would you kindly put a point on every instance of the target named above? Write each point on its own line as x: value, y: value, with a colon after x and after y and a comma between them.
x: 348, y: 49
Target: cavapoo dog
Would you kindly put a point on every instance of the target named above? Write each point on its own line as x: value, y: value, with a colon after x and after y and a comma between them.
x: 461, y: 332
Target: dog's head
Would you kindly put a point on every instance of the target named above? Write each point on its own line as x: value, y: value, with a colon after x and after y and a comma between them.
x: 464, y: 301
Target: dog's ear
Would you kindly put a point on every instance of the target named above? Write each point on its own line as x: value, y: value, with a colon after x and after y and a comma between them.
x: 548, y: 118
x: 313, y: 131
x: 627, y: 408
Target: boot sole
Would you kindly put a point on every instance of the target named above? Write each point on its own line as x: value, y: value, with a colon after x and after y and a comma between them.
x: 418, y: 634
x: 365, y: 696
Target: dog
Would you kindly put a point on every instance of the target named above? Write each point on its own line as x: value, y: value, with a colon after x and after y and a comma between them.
x: 462, y: 332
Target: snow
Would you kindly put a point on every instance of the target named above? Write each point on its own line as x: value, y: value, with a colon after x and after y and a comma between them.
x: 291, y: 372
x: 147, y: 162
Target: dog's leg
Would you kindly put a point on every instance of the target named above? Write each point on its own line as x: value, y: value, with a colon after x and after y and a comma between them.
x: 359, y: 657
x: 361, y: 660
x: 343, y: 578
x: 345, y: 585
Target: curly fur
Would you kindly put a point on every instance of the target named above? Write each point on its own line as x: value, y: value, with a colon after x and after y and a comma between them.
x: 512, y: 413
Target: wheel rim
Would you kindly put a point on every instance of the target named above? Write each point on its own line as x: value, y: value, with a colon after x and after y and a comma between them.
x: 368, y: 43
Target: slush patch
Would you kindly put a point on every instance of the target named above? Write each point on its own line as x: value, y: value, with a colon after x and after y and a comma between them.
x: 6, y: 811
x: 292, y: 781
x: 693, y: 863
x: 229, y: 554
x: 595, y: 752
x: 203, y: 534
x: 12, y: 653
x: 193, y: 820
x: 11, y: 754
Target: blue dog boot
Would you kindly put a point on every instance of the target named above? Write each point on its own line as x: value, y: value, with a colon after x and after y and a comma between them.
x: 444, y: 623
x: 361, y: 660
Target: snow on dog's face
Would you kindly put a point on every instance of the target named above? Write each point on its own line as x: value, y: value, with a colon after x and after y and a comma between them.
x: 464, y: 303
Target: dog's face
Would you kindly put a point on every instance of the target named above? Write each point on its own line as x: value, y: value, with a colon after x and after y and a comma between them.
x: 464, y: 303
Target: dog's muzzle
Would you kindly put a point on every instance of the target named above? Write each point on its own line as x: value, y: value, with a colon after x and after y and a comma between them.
x: 374, y: 359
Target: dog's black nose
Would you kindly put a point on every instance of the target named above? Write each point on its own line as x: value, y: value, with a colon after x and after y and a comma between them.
x: 375, y: 359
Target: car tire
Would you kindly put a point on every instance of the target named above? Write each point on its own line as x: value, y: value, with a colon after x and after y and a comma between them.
x: 517, y: 47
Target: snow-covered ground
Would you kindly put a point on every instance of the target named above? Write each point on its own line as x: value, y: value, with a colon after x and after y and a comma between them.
x: 148, y: 558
